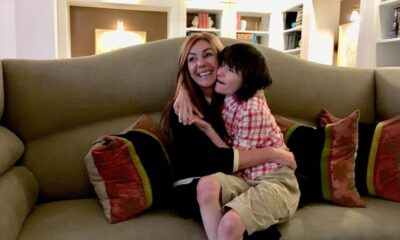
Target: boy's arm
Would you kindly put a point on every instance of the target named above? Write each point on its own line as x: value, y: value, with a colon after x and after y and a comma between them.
x: 209, y: 131
x: 252, y: 126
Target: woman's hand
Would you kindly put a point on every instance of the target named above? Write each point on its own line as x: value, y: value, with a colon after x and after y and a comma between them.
x: 285, y: 157
x: 184, y: 107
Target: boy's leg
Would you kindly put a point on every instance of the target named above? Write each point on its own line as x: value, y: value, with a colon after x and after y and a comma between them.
x: 208, y: 197
x: 272, y: 200
x: 231, y: 226
x: 216, y: 190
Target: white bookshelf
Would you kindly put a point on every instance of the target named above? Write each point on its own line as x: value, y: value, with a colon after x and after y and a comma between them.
x: 387, y: 44
x: 292, y: 34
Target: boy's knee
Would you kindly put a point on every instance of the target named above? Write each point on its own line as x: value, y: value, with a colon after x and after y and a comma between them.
x: 231, y: 225
x: 208, y: 189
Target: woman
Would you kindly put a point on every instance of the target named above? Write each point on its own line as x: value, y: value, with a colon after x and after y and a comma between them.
x: 193, y: 154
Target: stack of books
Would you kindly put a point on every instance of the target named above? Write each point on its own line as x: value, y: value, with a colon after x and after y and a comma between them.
x: 245, y: 36
x: 203, y: 20
x: 395, y: 31
x: 299, y: 17
x: 292, y: 40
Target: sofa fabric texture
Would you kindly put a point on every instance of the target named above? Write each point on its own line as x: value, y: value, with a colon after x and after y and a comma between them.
x: 52, y: 110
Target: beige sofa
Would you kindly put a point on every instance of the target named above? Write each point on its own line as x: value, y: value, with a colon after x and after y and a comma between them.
x: 52, y: 110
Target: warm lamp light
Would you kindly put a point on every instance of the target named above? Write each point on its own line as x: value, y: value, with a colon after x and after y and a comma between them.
x: 109, y: 40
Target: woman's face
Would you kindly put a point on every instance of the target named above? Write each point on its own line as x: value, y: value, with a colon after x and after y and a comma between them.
x: 203, y: 65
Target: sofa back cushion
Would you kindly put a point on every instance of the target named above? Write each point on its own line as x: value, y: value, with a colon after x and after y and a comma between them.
x: 387, y: 92
x: 301, y: 89
x: 59, y: 107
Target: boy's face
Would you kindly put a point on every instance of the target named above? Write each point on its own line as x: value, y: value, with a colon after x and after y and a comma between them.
x: 229, y: 81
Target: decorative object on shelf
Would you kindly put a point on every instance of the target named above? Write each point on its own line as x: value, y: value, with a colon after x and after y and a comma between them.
x: 243, y: 24
x: 195, y: 22
x: 210, y: 22
x: 355, y: 14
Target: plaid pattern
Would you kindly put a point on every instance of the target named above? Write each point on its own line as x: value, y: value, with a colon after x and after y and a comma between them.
x: 250, y: 125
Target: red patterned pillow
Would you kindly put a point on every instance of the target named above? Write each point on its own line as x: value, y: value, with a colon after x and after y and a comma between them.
x: 130, y: 171
x: 326, y: 158
x: 379, y: 162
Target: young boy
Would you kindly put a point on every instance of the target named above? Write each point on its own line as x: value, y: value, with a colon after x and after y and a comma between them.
x: 257, y: 197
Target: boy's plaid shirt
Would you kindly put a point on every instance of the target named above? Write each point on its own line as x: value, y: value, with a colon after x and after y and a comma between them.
x: 250, y: 125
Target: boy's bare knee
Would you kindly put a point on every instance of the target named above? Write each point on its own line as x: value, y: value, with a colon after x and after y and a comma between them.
x: 208, y: 189
x: 231, y: 226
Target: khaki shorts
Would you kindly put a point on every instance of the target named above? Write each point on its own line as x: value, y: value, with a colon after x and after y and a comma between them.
x: 263, y: 202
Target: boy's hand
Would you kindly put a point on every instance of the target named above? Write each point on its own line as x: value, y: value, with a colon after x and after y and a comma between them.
x: 200, y: 123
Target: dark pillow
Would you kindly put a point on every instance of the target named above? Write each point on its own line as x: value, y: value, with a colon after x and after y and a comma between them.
x: 325, y: 159
x: 378, y: 156
x: 130, y: 172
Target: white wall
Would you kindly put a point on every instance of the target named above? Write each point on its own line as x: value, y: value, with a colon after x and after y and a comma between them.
x: 7, y: 29
x: 35, y: 29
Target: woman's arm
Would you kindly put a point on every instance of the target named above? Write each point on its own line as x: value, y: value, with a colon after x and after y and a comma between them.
x: 184, y: 108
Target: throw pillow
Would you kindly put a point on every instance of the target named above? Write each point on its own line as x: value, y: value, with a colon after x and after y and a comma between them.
x: 378, y: 157
x: 130, y: 172
x: 325, y: 159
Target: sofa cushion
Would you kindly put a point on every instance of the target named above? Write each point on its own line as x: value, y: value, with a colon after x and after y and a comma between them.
x: 326, y: 157
x: 319, y: 221
x: 83, y: 219
x: 130, y: 171
x: 18, y: 195
x: 11, y: 149
x: 377, y: 171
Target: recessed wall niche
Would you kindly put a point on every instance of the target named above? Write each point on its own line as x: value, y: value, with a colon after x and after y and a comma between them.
x: 84, y: 21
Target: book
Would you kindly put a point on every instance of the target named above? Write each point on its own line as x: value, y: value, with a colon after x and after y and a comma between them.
x: 245, y: 36
x: 238, y: 19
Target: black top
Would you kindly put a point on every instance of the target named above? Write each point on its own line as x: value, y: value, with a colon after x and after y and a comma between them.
x: 193, y: 153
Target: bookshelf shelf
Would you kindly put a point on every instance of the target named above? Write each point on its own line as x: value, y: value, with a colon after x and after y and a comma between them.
x: 295, y: 50
x: 191, y: 29
x: 256, y: 29
x: 388, y: 37
x: 389, y: 40
x: 295, y: 29
x: 388, y: 3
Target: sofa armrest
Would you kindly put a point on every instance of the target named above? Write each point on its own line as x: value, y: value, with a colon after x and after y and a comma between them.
x: 11, y: 149
x: 18, y: 194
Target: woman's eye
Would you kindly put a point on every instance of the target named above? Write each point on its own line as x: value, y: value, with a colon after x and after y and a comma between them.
x: 191, y: 59
x: 209, y: 54
x: 232, y: 70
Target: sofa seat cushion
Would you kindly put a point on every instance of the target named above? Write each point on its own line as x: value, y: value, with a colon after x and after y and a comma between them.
x: 379, y: 220
x: 84, y: 220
